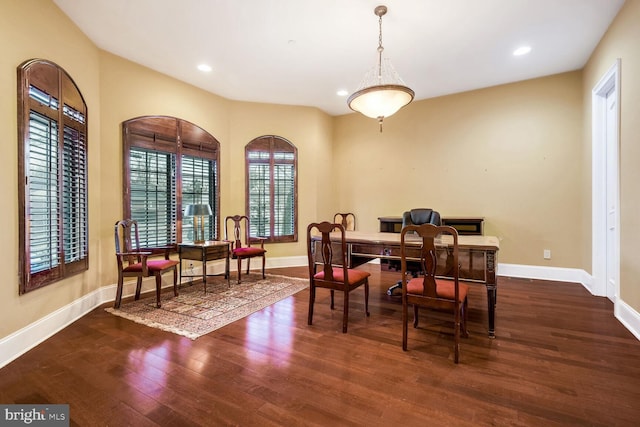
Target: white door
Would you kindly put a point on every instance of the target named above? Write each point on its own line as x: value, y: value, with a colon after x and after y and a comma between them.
x: 605, y: 198
x: 611, y: 186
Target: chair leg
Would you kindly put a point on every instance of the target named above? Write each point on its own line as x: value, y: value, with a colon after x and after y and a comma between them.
x: 239, y: 269
x: 248, y: 264
x: 263, y: 261
x: 175, y: 281
x: 456, y: 334
x: 465, y: 311
x: 312, y: 299
x: 118, y: 300
x: 405, y: 321
x: 366, y: 297
x: 331, y: 299
x: 345, y: 311
x: 138, y: 287
x: 415, y: 315
x: 158, y: 288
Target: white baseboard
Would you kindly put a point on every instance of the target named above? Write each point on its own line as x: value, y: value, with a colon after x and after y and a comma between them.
x: 21, y: 341
x: 573, y: 275
x: 628, y: 317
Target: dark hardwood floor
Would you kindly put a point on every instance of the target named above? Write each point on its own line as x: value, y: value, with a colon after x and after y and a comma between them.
x: 559, y: 358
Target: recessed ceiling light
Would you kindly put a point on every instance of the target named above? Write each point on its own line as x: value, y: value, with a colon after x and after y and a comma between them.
x: 342, y: 92
x: 522, y: 50
x: 204, y: 67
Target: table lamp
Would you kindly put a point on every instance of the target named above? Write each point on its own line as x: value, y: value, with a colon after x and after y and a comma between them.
x: 198, y: 212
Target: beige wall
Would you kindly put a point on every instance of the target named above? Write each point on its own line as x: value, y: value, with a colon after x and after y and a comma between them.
x: 621, y: 41
x: 116, y: 90
x: 71, y: 50
x: 508, y: 153
x: 129, y: 90
x: 516, y: 154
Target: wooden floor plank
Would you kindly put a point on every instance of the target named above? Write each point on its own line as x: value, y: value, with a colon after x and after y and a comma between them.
x: 559, y: 358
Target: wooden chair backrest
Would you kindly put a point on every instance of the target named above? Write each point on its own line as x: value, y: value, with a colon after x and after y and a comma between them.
x: 348, y: 220
x: 330, y: 255
x: 127, y: 240
x: 239, y: 227
x: 426, y: 236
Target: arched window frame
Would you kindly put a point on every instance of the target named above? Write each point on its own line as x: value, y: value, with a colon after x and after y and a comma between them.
x: 271, y: 196
x: 177, y: 153
x: 52, y: 175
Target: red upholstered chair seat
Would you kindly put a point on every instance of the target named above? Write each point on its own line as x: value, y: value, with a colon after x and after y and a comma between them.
x: 444, y: 288
x: 247, y: 252
x: 152, y: 265
x: 355, y: 276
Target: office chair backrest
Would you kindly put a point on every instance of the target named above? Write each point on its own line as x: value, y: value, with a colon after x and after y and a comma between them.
x: 421, y: 216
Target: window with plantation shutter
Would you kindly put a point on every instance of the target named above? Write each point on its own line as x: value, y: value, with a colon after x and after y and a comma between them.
x: 272, y: 192
x: 53, y: 205
x: 169, y: 163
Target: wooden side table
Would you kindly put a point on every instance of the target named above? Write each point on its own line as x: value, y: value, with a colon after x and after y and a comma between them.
x: 203, y: 252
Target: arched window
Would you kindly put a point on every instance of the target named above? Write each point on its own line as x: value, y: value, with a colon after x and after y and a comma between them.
x: 169, y: 163
x: 272, y: 188
x: 52, y: 175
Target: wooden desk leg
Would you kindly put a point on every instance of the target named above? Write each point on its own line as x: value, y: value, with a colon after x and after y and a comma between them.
x: 491, y: 299
x: 492, y: 290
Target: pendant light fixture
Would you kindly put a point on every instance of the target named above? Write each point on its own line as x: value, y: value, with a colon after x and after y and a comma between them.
x: 382, y: 92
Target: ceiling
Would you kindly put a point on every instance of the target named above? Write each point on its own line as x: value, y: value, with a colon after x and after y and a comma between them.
x: 301, y: 52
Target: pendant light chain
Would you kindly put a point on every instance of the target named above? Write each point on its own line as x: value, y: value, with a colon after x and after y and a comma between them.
x: 380, y: 48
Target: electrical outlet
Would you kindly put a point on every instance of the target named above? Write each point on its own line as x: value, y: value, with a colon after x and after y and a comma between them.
x: 546, y: 254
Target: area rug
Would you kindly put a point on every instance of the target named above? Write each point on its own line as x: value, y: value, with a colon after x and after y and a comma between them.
x: 194, y: 313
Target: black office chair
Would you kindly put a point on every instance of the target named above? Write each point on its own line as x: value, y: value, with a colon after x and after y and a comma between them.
x: 421, y: 216
x: 417, y: 216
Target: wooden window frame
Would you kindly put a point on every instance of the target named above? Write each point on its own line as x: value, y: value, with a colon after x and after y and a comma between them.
x: 172, y: 136
x: 53, y: 204
x: 272, y: 145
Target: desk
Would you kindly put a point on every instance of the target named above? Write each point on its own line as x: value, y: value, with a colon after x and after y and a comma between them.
x: 203, y: 252
x: 477, y: 255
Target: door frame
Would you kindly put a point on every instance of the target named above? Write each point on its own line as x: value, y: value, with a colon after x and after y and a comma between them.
x: 610, y: 80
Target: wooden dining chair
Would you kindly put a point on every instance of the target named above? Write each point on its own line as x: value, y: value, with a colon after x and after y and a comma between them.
x: 348, y: 220
x: 334, y: 274
x: 134, y: 262
x: 236, y: 231
x: 426, y: 290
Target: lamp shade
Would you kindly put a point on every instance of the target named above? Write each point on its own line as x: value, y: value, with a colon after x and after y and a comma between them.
x: 380, y: 101
x: 198, y: 210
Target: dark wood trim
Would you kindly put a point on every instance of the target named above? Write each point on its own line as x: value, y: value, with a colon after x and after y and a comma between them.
x: 271, y: 143
x: 170, y: 135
